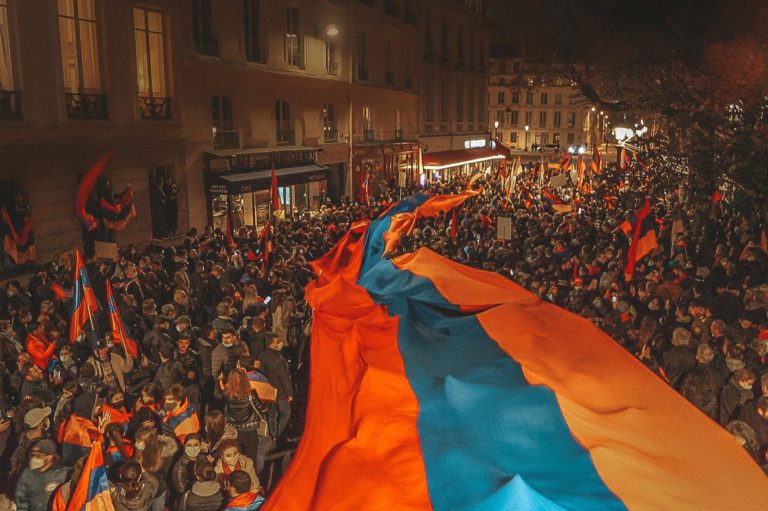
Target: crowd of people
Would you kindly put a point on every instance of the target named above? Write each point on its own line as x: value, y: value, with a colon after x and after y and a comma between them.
x: 189, y: 423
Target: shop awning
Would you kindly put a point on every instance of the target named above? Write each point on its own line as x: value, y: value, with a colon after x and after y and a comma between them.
x: 445, y: 159
x: 253, y: 181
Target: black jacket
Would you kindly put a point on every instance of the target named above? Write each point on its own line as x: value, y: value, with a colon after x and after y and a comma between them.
x: 204, y: 496
x: 275, y: 368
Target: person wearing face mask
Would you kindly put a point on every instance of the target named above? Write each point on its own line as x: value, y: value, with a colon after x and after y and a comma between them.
x: 155, y: 453
x: 115, y: 406
x: 40, y: 479
x: 223, y: 355
x: 37, y: 423
x: 182, y: 473
x: 275, y: 368
x: 179, y: 416
x: 231, y: 460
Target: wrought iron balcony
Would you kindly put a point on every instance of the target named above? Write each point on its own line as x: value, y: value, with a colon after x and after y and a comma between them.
x: 330, y: 135
x: 86, y: 106
x: 285, y: 137
x: 392, y: 9
x: 208, y: 46
x: 369, y: 135
x: 389, y: 78
x: 153, y: 107
x: 10, y: 104
x: 226, y: 140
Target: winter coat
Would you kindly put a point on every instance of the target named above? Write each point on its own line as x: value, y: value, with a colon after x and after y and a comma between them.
x: 182, y: 473
x: 148, y: 487
x: 120, y: 366
x: 34, y: 489
x: 275, y: 368
x: 731, y: 400
x: 204, y: 496
x: 245, y: 464
x: 168, y: 373
x: 676, y: 362
x: 701, y: 386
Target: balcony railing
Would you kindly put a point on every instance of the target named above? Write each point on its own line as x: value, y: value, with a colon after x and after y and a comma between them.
x: 153, y: 107
x: 363, y: 73
x: 256, y: 54
x: 86, y: 106
x: 285, y: 137
x: 389, y: 78
x: 10, y: 104
x: 330, y: 135
x: 398, y: 135
x: 208, y: 46
x: 226, y: 140
x: 369, y: 135
x: 392, y: 9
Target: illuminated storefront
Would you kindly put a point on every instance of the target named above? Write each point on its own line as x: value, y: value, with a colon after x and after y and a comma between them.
x: 239, y: 181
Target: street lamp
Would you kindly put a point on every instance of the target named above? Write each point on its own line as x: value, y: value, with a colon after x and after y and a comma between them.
x: 496, y: 127
x: 526, y: 137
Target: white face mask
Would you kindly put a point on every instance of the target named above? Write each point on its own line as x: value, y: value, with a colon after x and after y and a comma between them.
x: 36, y: 463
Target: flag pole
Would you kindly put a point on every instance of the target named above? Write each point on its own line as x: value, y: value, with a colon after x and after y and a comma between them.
x: 93, y: 331
x: 111, y: 299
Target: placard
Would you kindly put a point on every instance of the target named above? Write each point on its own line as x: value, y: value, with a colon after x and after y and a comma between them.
x: 401, y: 179
x: 105, y: 250
x: 557, y: 181
x: 504, y: 228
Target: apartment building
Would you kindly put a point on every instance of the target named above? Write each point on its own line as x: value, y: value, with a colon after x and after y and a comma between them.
x: 214, y: 94
x: 534, y: 107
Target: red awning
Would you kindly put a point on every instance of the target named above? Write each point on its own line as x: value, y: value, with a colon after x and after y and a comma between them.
x: 502, y: 150
x: 444, y: 159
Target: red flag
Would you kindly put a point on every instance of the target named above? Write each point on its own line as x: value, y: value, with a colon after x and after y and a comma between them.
x: 580, y: 168
x: 597, y: 160
x: 626, y: 158
x: 61, y: 293
x: 91, y: 491
x: 716, y: 197
x: 119, y: 333
x: 764, y: 242
x: 266, y: 240
x: 83, y: 299
x: 84, y: 190
x: 276, y: 206
x: 364, y: 191
x: 454, y: 226
x: 643, y: 239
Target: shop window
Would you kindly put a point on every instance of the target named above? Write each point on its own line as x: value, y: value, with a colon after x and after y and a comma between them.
x: 163, y: 202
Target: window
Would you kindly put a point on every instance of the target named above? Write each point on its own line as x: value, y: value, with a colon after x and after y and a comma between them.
x: 558, y: 99
x: 556, y: 122
x: 368, y: 133
x: 389, y: 76
x: 79, y: 48
x: 515, y: 98
x: 331, y: 64
x: 252, y: 34
x: 283, y: 131
x: 571, y: 119
x: 6, y: 68
x: 330, y: 133
x: 150, y: 64
x: 460, y: 101
x: 362, y: 58
x: 221, y: 111
x: 224, y: 136
x: 513, y: 137
x: 543, y: 138
x: 443, y: 102
x: 529, y: 98
x: 471, y: 103
x: 500, y: 99
x: 516, y: 67
x: 556, y: 138
x: 542, y: 119
x: 543, y: 98
x: 202, y: 34
x: 570, y: 139
x: 292, y: 48
x: 528, y: 118
x: 513, y: 118
x: 500, y: 116
x: 428, y: 99
x: 502, y: 81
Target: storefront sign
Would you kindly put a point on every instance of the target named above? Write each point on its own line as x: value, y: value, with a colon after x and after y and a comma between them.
x: 262, y: 207
x: 474, y: 143
x: 402, y: 179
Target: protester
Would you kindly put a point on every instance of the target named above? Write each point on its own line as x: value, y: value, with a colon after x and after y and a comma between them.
x: 179, y: 422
